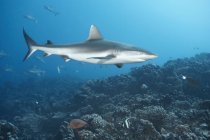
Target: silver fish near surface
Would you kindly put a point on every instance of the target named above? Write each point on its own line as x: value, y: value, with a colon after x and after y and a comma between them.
x: 40, y: 58
x: 8, y: 69
x: 94, y: 50
x: 31, y: 18
x: 37, y: 71
x: 51, y: 10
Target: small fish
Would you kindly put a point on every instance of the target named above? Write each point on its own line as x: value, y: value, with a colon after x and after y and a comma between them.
x: 37, y: 71
x: 77, y: 124
x: 184, y: 77
x: 127, y: 124
x: 144, y: 86
x: 51, y: 10
x: 40, y: 59
x: 8, y: 69
x: 2, y: 54
x: 58, y: 69
x: 31, y: 18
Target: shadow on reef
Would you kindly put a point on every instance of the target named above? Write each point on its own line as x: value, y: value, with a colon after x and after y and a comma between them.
x: 169, y: 102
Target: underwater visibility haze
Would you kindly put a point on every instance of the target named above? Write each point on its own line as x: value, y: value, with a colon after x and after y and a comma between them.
x: 105, y: 70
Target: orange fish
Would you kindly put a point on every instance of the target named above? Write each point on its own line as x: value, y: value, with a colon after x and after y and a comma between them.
x: 77, y: 123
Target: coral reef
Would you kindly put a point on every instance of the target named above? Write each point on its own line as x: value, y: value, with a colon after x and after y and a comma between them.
x: 169, y: 102
x: 8, y: 131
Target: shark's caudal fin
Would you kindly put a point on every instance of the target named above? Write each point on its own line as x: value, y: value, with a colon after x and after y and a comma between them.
x: 31, y: 45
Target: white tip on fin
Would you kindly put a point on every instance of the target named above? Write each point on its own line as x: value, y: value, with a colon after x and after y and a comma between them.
x: 94, y: 33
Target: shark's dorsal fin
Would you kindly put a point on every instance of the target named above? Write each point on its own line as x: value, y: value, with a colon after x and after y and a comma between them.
x: 94, y: 33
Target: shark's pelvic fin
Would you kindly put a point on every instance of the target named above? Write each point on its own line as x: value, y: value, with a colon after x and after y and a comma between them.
x: 94, y: 33
x: 66, y: 58
x: 119, y: 65
x: 46, y: 54
x: 31, y: 45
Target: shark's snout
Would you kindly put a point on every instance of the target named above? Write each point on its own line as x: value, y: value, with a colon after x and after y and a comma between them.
x: 153, y: 56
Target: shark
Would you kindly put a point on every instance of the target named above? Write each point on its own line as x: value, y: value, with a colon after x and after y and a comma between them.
x: 95, y: 49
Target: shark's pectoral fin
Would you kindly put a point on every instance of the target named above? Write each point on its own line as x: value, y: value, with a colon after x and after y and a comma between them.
x: 119, y: 65
x: 94, y: 33
x: 105, y: 57
x: 49, y: 42
x: 65, y: 57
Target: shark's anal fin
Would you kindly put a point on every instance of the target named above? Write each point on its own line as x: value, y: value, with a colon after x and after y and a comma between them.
x: 119, y: 65
x: 94, y: 33
x: 65, y: 57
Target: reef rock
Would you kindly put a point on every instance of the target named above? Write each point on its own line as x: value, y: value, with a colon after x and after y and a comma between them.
x: 8, y: 131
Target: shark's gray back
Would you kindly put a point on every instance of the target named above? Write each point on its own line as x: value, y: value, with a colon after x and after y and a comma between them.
x: 93, y: 46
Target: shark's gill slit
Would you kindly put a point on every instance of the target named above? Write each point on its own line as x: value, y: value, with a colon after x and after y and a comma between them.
x: 116, y: 52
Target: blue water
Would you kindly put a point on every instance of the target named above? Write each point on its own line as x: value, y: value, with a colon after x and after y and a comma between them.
x: 174, y: 97
x: 172, y: 29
